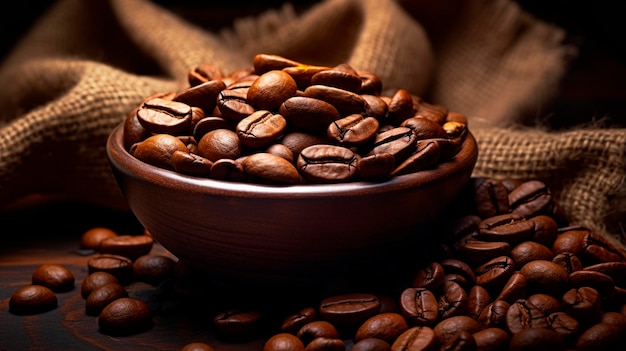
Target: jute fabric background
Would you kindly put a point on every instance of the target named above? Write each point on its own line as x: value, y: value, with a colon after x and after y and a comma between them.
x: 85, y: 64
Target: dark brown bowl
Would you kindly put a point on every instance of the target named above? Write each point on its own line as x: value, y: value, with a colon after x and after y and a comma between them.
x: 284, y: 234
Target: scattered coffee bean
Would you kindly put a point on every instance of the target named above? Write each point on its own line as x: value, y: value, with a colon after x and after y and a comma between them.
x: 56, y: 277
x: 32, y: 299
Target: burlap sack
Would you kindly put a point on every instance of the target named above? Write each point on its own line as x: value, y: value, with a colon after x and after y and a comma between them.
x: 86, y: 64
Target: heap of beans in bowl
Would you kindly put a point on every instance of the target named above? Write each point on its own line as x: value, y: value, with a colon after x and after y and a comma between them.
x: 285, y: 122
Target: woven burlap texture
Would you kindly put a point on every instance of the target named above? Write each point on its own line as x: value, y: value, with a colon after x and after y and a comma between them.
x: 86, y: 64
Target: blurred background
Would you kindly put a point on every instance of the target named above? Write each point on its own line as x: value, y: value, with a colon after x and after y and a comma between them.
x: 593, y: 93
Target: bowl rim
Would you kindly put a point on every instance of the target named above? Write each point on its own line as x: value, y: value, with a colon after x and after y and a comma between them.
x: 121, y: 160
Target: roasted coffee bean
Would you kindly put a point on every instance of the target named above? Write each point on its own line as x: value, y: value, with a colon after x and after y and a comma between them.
x: 317, y: 329
x: 548, y: 304
x: 452, y: 300
x: 424, y: 128
x: 209, y: 123
x: 134, y: 132
x: 615, y: 270
x: 125, y: 316
x: 527, y: 251
x: 510, y: 227
x: 419, y: 306
x: 203, y: 95
x: 268, y: 168
x: 375, y: 106
x: 336, y: 77
x: 436, y: 113
x: 494, y: 339
x: 522, y: 315
x: 531, y: 198
x: 478, y: 299
x: 56, y: 277
x: 327, y: 164
x: 191, y: 164
x: 120, y: 267
x: 400, y: 107
x: 565, y: 325
x: 271, y: 89
x: 282, y: 151
x: 453, y: 265
x: 425, y: 156
x: 294, y: 322
x: 95, y: 280
x: 233, y: 105
x: 266, y: 62
x: 308, y: 114
x: 582, y: 303
x: 463, y: 341
x: 538, y: 339
x: 590, y: 247
x: 383, y: 326
x: 491, y: 197
x: 601, y: 336
x: 32, y: 299
x: 455, y: 130
x: 163, y: 116
x: 260, y: 128
x: 298, y: 141
x: 158, y: 149
x: 131, y: 246
x: 153, y: 268
x: 283, y: 342
x: 353, y: 130
x: 430, y: 277
x: 514, y: 289
x: 544, y: 276
x: 102, y: 296
x: 302, y: 74
x: 414, y: 339
x: 570, y: 262
x: 373, y: 167
x: 346, y: 102
x: 614, y: 318
x: 237, y: 323
x: 494, y: 274
x: 197, y: 346
x: 220, y: 143
x: 494, y: 315
x: 477, y: 252
x: 464, y: 228
x: 370, y: 83
x: 349, y: 309
x: 227, y: 169
x: 599, y: 281
x: 447, y: 329
x: 546, y: 230
x: 400, y: 142
x: 92, y: 237
x: 326, y: 344
x: 204, y: 72
x: 371, y: 344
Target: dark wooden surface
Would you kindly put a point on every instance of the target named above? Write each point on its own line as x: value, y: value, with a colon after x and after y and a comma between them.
x: 50, y: 233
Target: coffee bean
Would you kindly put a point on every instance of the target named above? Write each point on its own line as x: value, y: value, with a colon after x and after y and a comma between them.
x: 565, y: 325
x: 308, y: 114
x: 204, y: 72
x: 163, y: 116
x: 515, y: 288
x: 283, y: 342
x: 347, y: 80
x: 32, y: 299
x: 492, y: 339
x: 125, y: 316
x: 582, y: 303
x: 415, y: 338
x: 430, y: 277
x: 353, y: 130
x: 419, y: 306
x: 494, y: 274
x: 349, y: 309
x: 236, y: 323
x: 478, y: 299
x: 197, y: 346
x: 264, y: 167
x: 491, y: 197
x: 294, y: 322
x: 446, y: 330
x: 510, y: 227
x: 92, y: 237
x: 494, y: 315
x: 131, y: 246
x: 326, y: 344
x: 539, y: 339
x: 102, y: 296
x: 543, y: 276
x: 260, y: 128
x: 452, y: 300
x: 95, y: 280
x: 522, y: 314
x: 327, y: 164
x: 601, y: 336
x: 317, y: 329
x: 158, y: 149
x: 120, y: 267
x: 220, y: 143
x: 383, y: 326
x: 153, y: 269
x: 531, y: 198
x: 371, y: 344
x: 56, y: 277
x: 527, y: 251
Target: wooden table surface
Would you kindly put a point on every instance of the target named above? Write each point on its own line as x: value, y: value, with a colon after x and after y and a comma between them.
x: 50, y: 233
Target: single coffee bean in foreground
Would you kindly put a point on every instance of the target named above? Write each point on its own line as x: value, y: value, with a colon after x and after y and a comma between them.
x: 125, y: 316
x: 32, y: 299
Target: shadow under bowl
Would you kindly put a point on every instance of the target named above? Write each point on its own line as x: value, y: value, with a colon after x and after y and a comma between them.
x: 269, y: 234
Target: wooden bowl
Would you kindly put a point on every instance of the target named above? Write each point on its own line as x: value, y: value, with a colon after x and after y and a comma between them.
x: 285, y: 234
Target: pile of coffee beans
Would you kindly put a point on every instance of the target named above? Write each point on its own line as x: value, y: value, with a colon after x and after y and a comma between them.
x: 286, y: 122
x: 506, y: 272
